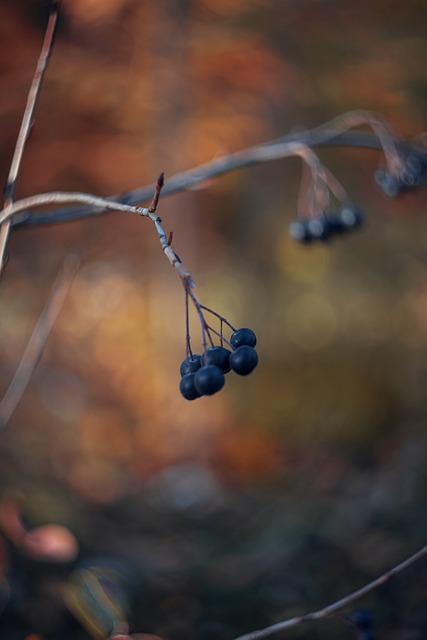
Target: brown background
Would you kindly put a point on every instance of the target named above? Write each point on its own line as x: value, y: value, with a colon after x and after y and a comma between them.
x: 300, y: 483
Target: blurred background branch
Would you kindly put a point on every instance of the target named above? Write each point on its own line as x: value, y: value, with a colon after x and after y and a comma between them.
x: 272, y: 150
x: 37, y: 341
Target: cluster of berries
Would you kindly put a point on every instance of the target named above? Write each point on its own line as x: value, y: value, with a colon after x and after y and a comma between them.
x: 326, y: 225
x: 410, y: 176
x: 204, y: 375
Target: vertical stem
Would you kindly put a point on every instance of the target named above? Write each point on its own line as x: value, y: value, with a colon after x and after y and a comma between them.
x: 188, y: 350
x: 203, y: 323
x: 27, y: 120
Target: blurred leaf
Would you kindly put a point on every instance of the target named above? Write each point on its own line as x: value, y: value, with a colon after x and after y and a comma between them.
x: 97, y: 597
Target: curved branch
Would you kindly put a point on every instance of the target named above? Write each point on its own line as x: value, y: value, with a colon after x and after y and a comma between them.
x: 267, y: 151
x: 336, y: 606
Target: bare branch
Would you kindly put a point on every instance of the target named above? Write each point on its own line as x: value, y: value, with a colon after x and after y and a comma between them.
x: 336, y: 606
x: 26, y: 124
x: 271, y: 150
x: 38, y: 339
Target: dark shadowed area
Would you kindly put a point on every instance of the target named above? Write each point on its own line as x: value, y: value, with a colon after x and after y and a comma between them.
x: 292, y: 487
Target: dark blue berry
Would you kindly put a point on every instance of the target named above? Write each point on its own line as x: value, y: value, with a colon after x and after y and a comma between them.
x: 389, y: 183
x: 190, y: 365
x: 413, y: 172
x: 219, y: 356
x: 209, y: 379
x: 298, y: 230
x: 361, y: 618
x: 244, y: 360
x: 350, y: 216
x: 320, y: 227
x: 243, y: 336
x: 408, y: 175
x: 333, y: 222
x: 188, y: 388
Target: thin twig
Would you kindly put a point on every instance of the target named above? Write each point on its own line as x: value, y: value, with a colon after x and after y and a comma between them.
x: 173, y: 258
x: 175, y: 261
x: 43, y: 199
x: 336, y: 606
x: 38, y: 339
x: 26, y: 124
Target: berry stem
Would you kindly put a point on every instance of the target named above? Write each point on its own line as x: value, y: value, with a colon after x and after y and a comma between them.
x: 203, y: 324
x: 188, y: 351
x: 184, y: 274
x: 316, y: 197
x: 217, y: 315
x: 379, y: 125
x: 220, y: 336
